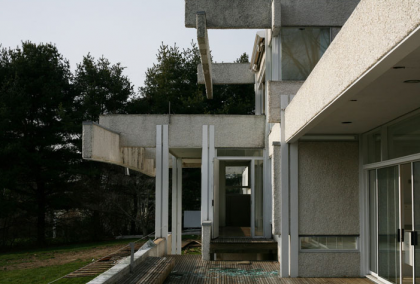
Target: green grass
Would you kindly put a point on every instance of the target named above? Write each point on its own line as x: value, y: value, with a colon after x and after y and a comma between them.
x: 47, y: 274
x: 43, y: 275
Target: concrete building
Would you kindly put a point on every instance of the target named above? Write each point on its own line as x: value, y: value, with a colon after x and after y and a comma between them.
x: 328, y: 170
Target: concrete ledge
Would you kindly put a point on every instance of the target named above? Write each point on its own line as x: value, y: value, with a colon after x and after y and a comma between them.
x: 340, y: 264
x: 120, y: 271
x: 276, y: 89
x: 257, y: 14
x: 370, y: 43
x: 185, y: 131
x: 228, y: 73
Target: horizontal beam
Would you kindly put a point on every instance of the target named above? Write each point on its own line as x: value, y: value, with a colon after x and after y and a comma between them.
x: 263, y: 14
x: 227, y: 73
x: 237, y: 131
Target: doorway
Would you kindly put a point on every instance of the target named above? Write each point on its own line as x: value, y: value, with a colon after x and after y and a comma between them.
x: 394, y: 222
x: 239, y: 192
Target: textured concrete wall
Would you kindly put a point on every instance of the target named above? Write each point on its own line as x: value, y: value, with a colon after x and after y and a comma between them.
x: 328, y: 188
x: 185, y: 131
x: 257, y: 14
x: 274, y: 136
x: 374, y: 29
x: 329, y: 264
x: 228, y: 73
x: 275, y: 90
x: 99, y: 143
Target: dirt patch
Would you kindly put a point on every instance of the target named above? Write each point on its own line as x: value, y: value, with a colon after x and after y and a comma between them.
x: 59, y: 258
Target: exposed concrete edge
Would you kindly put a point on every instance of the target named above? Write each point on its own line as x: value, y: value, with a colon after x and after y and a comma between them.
x: 204, y: 47
x: 227, y: 73
x: 101, y: 126
x: 116, y: 273
x: 275, y: 90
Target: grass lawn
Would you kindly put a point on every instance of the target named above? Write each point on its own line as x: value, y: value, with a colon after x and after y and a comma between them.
x: 47, y: 264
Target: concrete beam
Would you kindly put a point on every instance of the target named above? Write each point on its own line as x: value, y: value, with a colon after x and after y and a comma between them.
x: 227, y: 73
x: 103, y: 145
x: 203, y: 45
x: 276, y: 89
x: 258, y: 14
x: 237, y: 131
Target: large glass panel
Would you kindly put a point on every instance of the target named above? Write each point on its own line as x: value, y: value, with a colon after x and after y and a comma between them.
x: 416, y: 188
x: 328, y: 243
x: 239, y: 152
x: 301, y: 49
x: 259, y: 194
x: 373, y: 221
x: 388, y: 224
x: 406, y: 223
x: 374, y: 146
x: 404, y: 137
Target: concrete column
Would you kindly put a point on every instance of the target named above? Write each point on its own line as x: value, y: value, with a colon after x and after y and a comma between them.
x: 176, y: 205
x: 162, y: 183
x: 205, y: 239
x: 294, y: 210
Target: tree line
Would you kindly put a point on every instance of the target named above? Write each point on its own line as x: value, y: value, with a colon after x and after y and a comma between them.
x: 49, y: 194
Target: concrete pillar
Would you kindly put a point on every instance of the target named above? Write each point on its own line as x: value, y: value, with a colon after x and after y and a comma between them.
x: 176, y: 205
x: 162, y: 183
x: 205, y: 239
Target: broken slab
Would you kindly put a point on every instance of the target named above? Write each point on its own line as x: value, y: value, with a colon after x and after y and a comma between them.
x: 228, y: 73
x: 203, y: 46
x: 258, y: 14
x: 277, y: 89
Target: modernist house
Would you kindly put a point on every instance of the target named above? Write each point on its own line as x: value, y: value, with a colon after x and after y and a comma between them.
x: 326, y: 174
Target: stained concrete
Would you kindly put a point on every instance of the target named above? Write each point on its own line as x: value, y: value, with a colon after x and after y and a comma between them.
x: 228, y: 73
x: 328, y: 264
x: 257, y: 14
x: 373, y: 30
x: 276, y: 190
x: 328, y: 188
x: 185, y: 131
x: 204, y: 47
x: 276, y: 89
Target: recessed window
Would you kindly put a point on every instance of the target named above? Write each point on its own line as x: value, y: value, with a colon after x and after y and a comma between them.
x: 404, y: 137
x: 328, y: 243
x: 301, y: 49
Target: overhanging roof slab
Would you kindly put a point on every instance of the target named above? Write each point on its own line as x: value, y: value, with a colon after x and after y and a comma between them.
x: 259, y: 14
x: 185, y: 131
x: 373, y: 40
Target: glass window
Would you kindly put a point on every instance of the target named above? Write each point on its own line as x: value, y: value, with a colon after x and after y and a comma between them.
x: 328, y: 243
x: 404, y: 137
x: 301, y: 49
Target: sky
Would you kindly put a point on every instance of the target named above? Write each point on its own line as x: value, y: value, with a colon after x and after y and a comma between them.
x: 125, y: 31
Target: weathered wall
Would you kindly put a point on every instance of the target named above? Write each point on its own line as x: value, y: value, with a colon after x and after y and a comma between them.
x: 329, y: 204
x: 276, y: 89
x: 276, y: 190
x: 328, y: 188
x: 373, y: 30
x: 185, y: 131
x: 329, y: 264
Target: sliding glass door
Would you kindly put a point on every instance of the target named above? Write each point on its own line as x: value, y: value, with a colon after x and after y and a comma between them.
x: 394, y: 197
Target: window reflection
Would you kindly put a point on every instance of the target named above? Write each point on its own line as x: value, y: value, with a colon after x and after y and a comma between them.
x: 301, y: 50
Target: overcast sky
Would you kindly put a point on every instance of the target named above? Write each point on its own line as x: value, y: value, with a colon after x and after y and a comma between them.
x: 126, y: 31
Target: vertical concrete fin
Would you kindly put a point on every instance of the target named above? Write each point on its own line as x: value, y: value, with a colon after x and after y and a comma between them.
x: 203, y: 45
x: 275, y: 17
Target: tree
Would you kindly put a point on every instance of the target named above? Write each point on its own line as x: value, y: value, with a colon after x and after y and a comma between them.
x: 36, y: 96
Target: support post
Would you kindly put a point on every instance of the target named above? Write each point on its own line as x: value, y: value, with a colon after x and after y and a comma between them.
x: 162, y: 183
x: 203, y: 46
x: 294, y: 210
x: 176, y: 205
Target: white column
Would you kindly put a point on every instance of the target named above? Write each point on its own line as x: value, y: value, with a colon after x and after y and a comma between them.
x: 176, y: 205
x: 294, y: 210
x: 162, y: 183
x: 284, y: 169
x: 204, y: 176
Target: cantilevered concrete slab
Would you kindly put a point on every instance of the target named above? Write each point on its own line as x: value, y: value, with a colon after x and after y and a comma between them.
x: 228, y: 73
x: 185, y: 131
x: 276, y: 89
x: 259, y: 14
x: 103, y: 145
x: 355, y: 81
